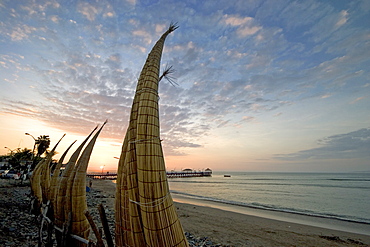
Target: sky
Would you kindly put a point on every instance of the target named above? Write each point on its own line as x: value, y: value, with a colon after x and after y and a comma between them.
x: 270, y: 86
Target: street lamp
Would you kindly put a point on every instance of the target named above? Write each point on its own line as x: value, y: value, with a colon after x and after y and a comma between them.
x: 11, y: 151
x: 34, y: 145
x: 102, y: 169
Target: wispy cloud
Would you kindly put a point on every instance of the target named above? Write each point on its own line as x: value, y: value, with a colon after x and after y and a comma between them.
x: 88, y: 10
x: 245, y: 25
x: 343, y: 18
x: 235, y: 63
x: 356, y: 100
x: 351, y: 145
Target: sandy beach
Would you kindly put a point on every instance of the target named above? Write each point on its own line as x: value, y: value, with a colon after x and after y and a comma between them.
x: 222, y: 227
x: 238, y: 229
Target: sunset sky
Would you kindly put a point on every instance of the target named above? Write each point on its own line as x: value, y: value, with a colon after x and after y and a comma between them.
x: 262, y: 85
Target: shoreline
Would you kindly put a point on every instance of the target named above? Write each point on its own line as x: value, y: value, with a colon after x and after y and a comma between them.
x: 287, y: 217
x: 232, y: 225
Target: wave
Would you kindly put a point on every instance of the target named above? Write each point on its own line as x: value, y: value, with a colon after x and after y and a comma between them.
x: 277, y: 209
x: 350, y: 179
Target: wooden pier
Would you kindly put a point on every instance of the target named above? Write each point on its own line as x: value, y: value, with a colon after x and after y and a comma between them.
x: 189, y: 174
x: 108, y: 176
x: 172, y: 174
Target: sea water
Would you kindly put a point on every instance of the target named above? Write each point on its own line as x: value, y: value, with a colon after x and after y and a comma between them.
x: 342, y: 196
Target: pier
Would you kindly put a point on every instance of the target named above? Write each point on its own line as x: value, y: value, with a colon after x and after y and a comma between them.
x: 189, y: 174
x: 108, y: 176
x: 172, y: 174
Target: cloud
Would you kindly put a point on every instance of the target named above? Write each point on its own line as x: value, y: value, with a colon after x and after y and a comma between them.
x: 86, y: 89
x: 133, y: 2
x: 39, y: 8
x: 147, y: 37
x: 246, y: 26
x: 236, y: 20
x: 244, y: 120
x: 342, y: 19
x: 258, y: 61
x: 327, y: 26
x: 326, y: 96
x: 351, y: 145
x: 54, y: 19
x: 88, y: 10
x: 228, y: 64
x: 356, y: 100
x: 109, y: 14
x: 246, y: 31
x: 293, y: 15
x: 21, y: 32
x: 160, y: 28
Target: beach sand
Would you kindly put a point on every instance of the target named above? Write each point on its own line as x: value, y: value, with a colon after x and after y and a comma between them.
x: 240, y: 229
x: 202, y: 220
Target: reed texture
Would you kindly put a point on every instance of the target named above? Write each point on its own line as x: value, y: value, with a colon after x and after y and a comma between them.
x: 40, y: 179
x: 60, y: 215
x: 80, y: 225
x: 145, y: 214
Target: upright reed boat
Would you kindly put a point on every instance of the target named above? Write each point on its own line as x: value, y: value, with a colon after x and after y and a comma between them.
x: 145, y: 213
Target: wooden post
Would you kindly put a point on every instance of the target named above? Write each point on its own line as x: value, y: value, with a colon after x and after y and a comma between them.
x: 95, y: 230
x: 43, y: 217
x: 49, y: 241
x: 66, y: 230
x: 104, y: 221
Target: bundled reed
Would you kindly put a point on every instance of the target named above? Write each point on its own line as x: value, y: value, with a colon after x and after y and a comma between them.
x: 61, y: 190
x: 80, y: 225
x: 126, y: 178
x: 35, y: 179
x: 145, y: 214
x: 46, y: 173
x: 56, y: 175
x: 40, y: 179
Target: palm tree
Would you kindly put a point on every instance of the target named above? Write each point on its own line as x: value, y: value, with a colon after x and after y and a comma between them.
x: 22, y: 155
x: 43, y: 143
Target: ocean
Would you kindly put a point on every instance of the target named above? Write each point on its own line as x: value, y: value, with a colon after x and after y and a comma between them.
x: 340, y: 196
